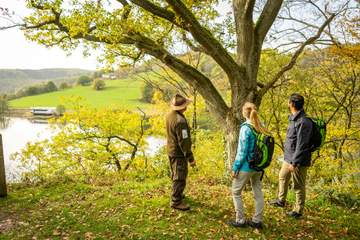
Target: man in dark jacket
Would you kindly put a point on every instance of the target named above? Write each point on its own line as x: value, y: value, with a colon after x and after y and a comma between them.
x: 297, y: 156
x: 179, y: 149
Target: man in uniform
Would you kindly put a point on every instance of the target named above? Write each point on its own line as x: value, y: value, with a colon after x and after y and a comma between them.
x: 179, y: 149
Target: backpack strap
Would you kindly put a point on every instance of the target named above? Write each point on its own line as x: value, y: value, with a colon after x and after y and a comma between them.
x: 251, y: 127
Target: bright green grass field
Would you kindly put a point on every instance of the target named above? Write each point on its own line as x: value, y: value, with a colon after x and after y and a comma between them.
x: 117, y: 93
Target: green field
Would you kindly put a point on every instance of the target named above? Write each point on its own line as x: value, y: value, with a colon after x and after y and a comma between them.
x: 118, y: 93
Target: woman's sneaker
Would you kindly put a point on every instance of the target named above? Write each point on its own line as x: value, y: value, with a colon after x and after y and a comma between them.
x: 277, y: 203
x: 237, y: 224
x: 294, y: 214
x: 257, y: 225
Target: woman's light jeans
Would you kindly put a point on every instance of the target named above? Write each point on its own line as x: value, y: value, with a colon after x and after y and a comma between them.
x: 238, y: 185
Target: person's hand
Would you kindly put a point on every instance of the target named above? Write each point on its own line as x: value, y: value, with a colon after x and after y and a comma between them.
x: 193, y: 163
x: 291, y: 168
x: 234, y: 174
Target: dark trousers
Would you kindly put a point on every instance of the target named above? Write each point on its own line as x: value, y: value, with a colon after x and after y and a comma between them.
x: 179, y: 171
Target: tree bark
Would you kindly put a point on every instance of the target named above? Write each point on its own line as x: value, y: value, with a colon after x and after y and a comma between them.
x: 231, y: 139
x: 3, y: 189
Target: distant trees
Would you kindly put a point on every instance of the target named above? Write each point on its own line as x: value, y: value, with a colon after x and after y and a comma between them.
x: 98, y: 84
x: 64, y: 85
x: 84, y: 80
x: 50, y: 87
x: 147, y: 92
x: 36, y: 89
x: 151, y: 88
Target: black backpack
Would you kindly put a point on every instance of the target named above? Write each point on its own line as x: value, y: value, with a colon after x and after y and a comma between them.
x: 318, y: 133
x: 263, y: 151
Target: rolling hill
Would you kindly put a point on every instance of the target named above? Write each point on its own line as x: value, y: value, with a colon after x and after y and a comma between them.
x: 117, y: 93
x: 14, y: 79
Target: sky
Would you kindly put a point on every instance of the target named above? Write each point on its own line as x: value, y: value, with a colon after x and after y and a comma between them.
x: 18, y: 52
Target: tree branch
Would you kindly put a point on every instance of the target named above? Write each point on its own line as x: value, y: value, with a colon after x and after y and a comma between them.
x: 267, y: 18
x: 157, y: 11
x: 294, y: 58
x: 127, y: 9
x: 203, y: 36
x: 243, y: 14
x: 135, y: 148
x: 190, y: 74
x: 206, y: 39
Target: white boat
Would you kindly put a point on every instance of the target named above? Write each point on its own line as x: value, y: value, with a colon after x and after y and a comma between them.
x: 43, y: 111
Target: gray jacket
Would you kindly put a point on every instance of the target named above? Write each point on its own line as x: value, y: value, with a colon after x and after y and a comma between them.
x: 297, y: 142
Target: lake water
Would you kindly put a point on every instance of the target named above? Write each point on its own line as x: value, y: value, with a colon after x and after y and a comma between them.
x: 17, y: 132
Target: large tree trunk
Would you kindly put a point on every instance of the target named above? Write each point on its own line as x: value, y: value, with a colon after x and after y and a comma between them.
x: 231, y: 130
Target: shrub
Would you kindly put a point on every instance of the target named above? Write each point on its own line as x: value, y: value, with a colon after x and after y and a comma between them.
x: 64, y: 85
x: 147, y: 92
x: 98, y: 84
x: 84, y: 81
x: 60, y: 110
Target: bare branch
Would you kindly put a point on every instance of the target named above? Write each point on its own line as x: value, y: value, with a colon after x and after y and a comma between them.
x: 267, y: 18
x: 294, y: 58
x: 192, y: 45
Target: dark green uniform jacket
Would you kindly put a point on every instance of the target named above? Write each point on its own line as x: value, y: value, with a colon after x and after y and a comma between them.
x: 178, y: 136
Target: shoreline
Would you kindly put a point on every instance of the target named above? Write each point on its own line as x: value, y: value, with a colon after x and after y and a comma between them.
x: 25, y: 113
x: 18, y: 113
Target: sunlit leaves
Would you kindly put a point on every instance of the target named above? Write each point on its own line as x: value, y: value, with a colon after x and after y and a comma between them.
x: 88, y: 143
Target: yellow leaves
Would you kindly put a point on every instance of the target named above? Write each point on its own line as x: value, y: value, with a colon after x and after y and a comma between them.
x: 157, y: 97
x: 88, y: 143
x: 347, y: 51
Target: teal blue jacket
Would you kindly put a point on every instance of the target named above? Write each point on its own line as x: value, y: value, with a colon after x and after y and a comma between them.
x: 245, y: 150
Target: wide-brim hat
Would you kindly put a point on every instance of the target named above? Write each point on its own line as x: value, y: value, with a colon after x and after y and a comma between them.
x: 179, y: 102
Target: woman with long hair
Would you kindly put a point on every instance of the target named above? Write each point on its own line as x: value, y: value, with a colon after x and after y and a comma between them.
x: 242, y: 173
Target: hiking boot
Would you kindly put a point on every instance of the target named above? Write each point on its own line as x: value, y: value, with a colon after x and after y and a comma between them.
x: 257, y: 225
x: 181, y: 206
x: 277, y: 203
x: 294, y: 214
x: 237, y: 224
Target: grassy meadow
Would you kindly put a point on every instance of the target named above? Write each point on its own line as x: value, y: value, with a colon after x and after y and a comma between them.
x: 139, y: 209
x: 118, y: 93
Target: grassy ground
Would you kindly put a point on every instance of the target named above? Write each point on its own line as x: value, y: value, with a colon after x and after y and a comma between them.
x: 140, y: 210
x: 123, y: 93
